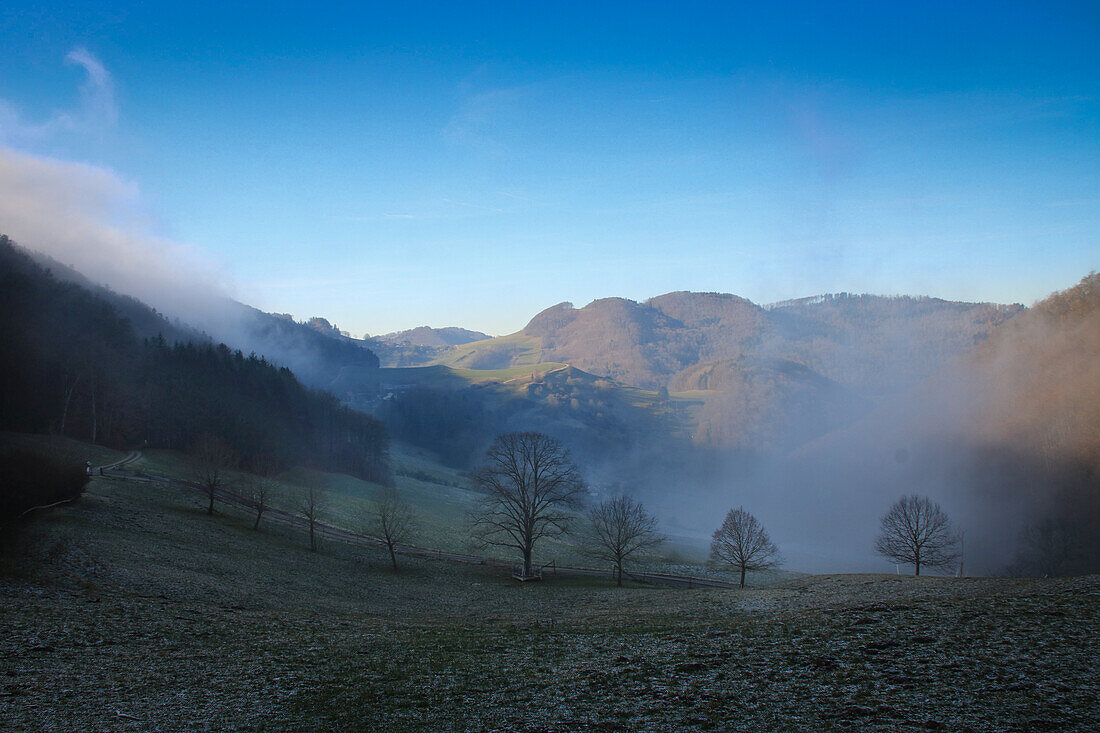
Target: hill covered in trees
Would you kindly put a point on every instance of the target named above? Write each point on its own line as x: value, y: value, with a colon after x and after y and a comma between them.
x: 427, y: 336
x: 421, y: 345
x: 76, y: 366
x: 878, y: 344
x: 315, y: 350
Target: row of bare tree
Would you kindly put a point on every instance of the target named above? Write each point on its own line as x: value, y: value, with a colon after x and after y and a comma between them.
x: 532, y: 490
x: 214, y: 459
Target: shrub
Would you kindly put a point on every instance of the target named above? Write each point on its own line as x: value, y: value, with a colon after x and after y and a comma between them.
x: 30, y: 479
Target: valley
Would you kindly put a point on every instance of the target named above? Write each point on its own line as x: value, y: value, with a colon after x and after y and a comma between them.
x: 549, y: 367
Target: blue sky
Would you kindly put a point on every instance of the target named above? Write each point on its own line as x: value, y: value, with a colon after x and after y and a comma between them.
x: 469, y: 164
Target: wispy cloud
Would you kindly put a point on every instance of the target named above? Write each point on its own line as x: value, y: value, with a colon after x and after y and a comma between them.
x: 484, y: 119
x: 96, y: 111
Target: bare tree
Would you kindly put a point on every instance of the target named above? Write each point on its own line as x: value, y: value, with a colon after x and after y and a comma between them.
x: 530, y: 484
x: 917, y: 531
x: 621, y: 527
x: 213, y: 459
x: 261, y: 488
x: 743, y: 542
x: 394, y: 520
x: 313, y: 503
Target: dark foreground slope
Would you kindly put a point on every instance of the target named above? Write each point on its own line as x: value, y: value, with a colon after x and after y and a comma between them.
x: 132, y: 610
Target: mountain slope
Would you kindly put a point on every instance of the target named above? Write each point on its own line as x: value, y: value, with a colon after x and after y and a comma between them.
x: 1005, y: 438
x: 75, y: 366
x: 761, y: 377
x: 873, y: 343
x: 315, y: 355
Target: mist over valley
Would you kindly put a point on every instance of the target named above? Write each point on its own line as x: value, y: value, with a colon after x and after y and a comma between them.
x: 549, y: 368
x: 816, y: 412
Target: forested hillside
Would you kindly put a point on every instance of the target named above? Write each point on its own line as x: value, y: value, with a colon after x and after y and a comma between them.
x: 316, y: 358
x: 1036, y: 405
x: 1038, y: 378
x: 75, y: 366
x: 314, y: 351
x: 145, y: 321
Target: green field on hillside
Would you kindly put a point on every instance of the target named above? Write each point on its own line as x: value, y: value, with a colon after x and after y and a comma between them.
x: 441, y: 497
x: 502, y: 352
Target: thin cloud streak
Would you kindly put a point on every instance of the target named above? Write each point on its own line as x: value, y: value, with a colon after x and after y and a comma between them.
x: 96, y: 112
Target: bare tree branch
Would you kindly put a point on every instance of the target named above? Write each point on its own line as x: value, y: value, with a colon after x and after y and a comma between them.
x: 917, y: 531
x: 743, y: 542
x: 621, y: 527
x: 529, y: 482
x: 213, y: 458
x: 393, y: 520
x: 261, y: 486
x: 312, y: 505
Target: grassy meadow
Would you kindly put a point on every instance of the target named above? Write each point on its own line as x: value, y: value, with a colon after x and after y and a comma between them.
x: 134, y: 610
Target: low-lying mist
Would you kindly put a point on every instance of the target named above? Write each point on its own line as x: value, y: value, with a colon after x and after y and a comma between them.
x: 1005, y: 439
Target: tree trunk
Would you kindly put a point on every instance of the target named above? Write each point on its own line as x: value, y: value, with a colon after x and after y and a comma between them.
x: 917, y: 566
x: 312, y: 537
x: 619, y: 573
x: 256, y: 524
x: 68, y: 398
x: 393, y: 557
x: 527, y: 562
x: 94, y: 426
x: 742, y: 577
x: 210, y: 507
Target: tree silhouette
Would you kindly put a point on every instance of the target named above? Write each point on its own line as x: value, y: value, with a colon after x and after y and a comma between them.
x: 213, y: 459
x: 393, y: 520
x: 621, y: 527
x: 918, y: 532
x: 530, y: 484
x: 743, y: 542
x: 313, y: 501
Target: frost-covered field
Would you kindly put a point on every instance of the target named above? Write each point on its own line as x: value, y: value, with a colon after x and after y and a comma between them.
x: 135, y: 611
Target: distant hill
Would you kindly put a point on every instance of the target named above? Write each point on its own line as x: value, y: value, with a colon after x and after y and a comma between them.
x: 766, y: 376
x: 873, y: 343
x: 314, y: 356
x: 421, y: 345
x: 427, y: 336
